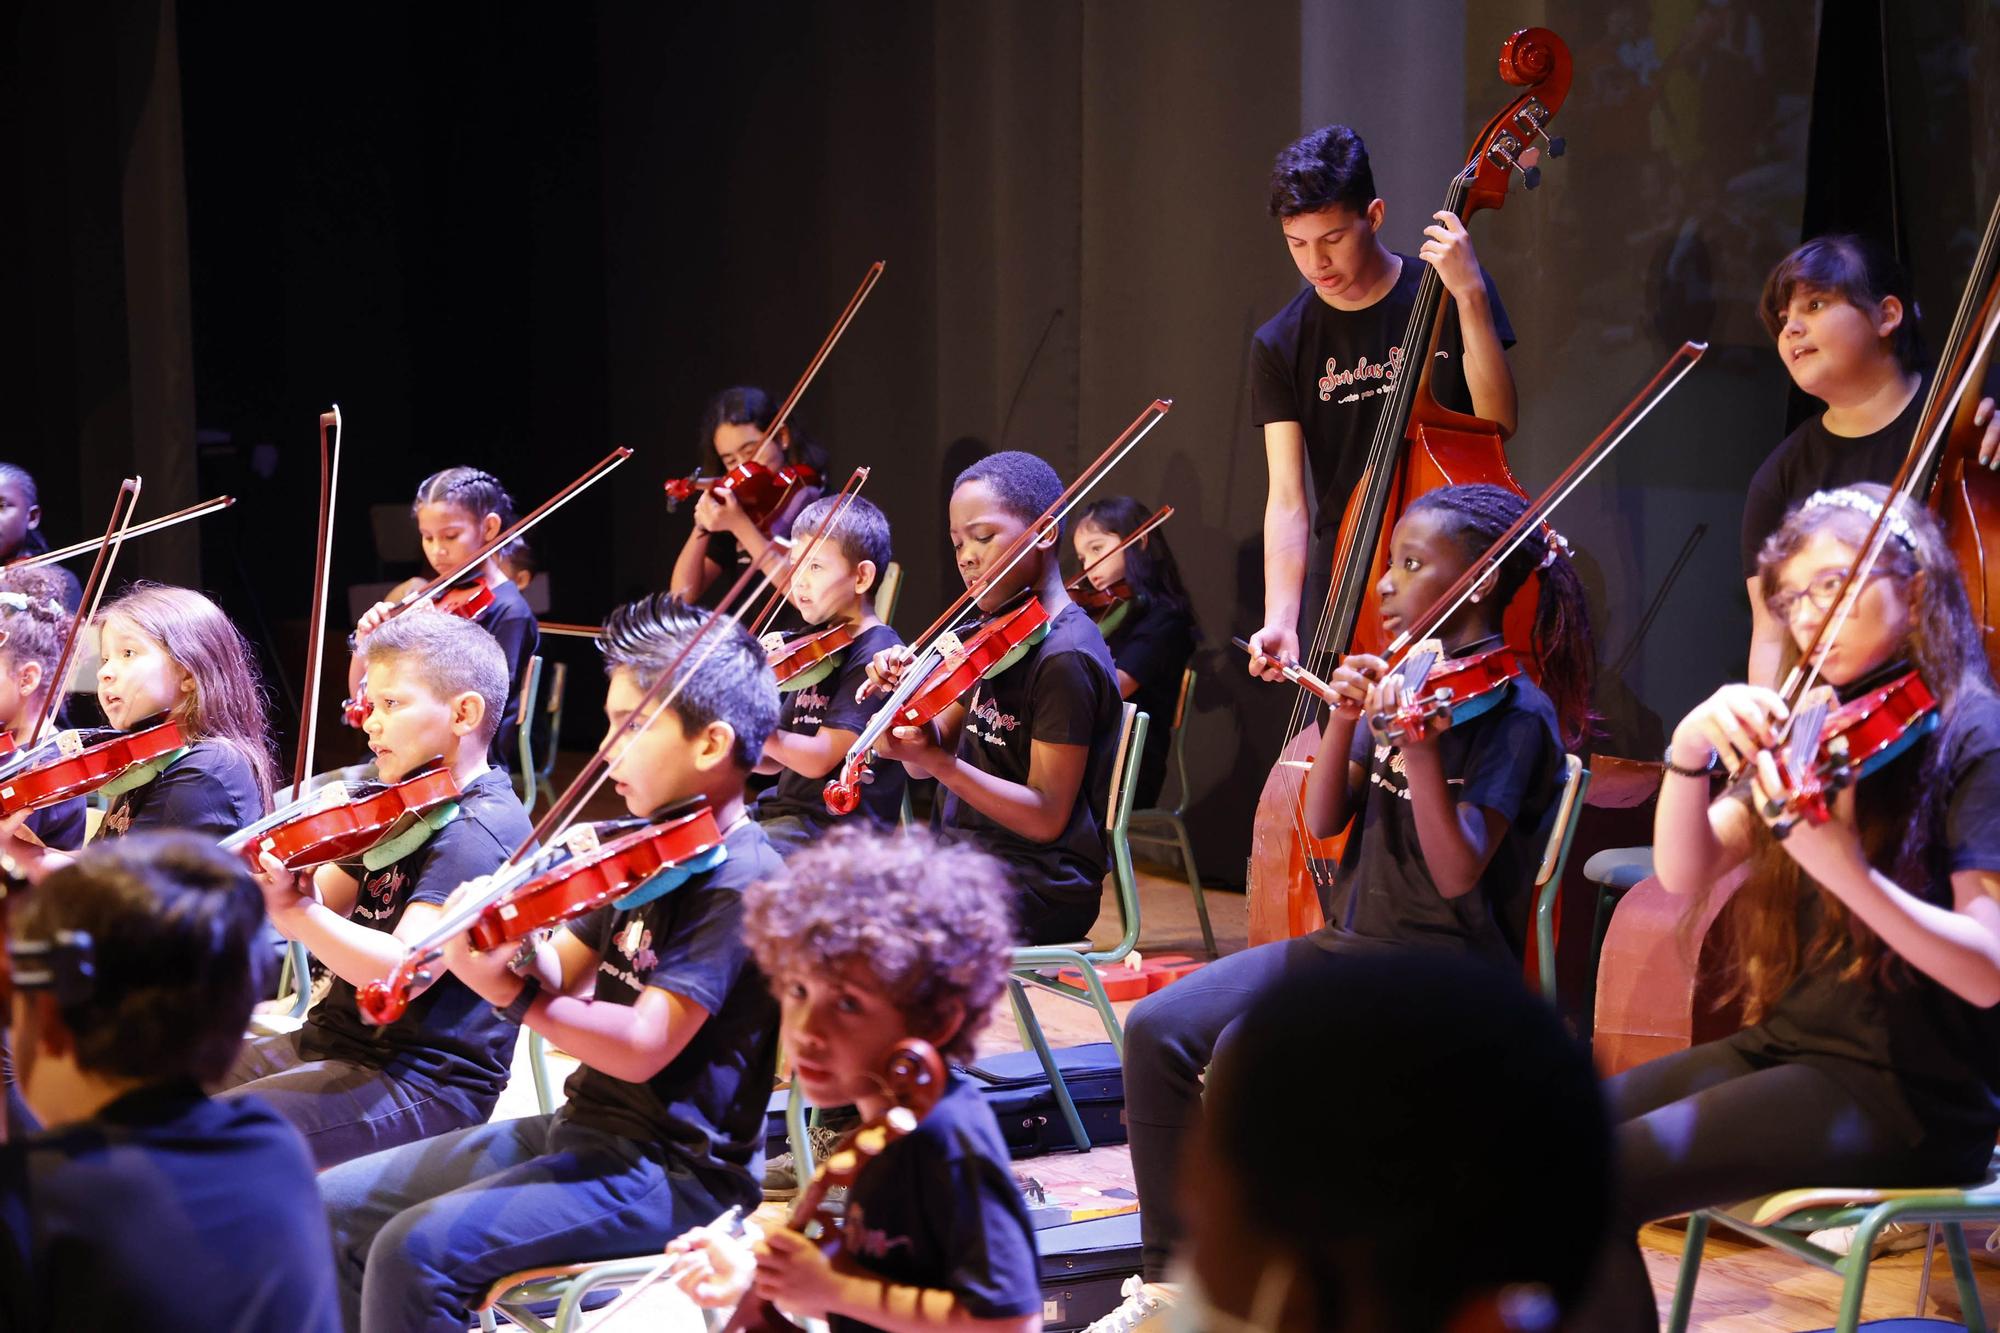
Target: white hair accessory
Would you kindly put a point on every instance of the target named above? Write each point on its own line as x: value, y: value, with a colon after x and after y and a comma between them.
x: 1558, y: 546
x: 18, y: 601
x: 1847, y: 498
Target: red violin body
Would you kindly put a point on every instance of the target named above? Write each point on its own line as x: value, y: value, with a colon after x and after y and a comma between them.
x: 341, y: 823
x: 798, y: 655
x: 589, y: 880
x: 948, y: 682
x: 759, y: 491
x: 1099, y: 600
x: 77, y: 763
x: 1454, y: 689
x: 1857, y: 738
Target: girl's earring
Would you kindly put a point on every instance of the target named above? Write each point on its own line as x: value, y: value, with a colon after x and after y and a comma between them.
x: 1475, y: 597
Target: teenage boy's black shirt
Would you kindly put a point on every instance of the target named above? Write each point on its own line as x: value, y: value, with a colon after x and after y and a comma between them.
x: 939, y: 1209
x: 1507, y: 760
x: 448, y: 1035
x: 513, y: 626
x: 1331, y: 370
x: 705, y: 1110
x: 210, y: 790
x: 1812, y: 458
x: 1063, y: 692
x: 832, y: 703
x: 1152, y: 644
x: 166, y: 1210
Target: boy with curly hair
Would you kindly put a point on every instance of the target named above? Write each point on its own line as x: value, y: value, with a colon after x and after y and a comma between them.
x: 880, y: 937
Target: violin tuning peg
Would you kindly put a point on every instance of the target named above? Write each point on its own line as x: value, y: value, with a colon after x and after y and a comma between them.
x: 1553, y: 147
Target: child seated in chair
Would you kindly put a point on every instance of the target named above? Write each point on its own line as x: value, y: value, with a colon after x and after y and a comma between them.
x: 144, y: 1203
x: 878, y: 938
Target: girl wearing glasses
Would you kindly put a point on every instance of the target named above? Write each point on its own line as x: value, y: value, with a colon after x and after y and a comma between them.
x: 1865, y: 951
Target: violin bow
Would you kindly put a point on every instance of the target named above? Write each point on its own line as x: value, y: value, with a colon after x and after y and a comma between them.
x: 329, y: 484
x: 151, y: 525
x: 563, y: 810
x: 1684, y: 359
x: 93, y: 594
x: 1165, y: 512
x: 519, y: 528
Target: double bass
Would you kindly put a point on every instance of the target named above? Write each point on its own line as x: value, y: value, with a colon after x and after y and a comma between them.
x: 1418, y: 446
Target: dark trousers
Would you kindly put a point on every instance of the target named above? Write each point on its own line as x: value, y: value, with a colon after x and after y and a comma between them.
x: 343, y: 1109
x: 1712, y: 1126
x: 1170, y: 1039
x: 421, y: 1232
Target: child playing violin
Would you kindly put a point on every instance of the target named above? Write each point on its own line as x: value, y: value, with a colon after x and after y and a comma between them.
x: 1865, y: 950
x: 1448, y: 827
x: 876, y: 938
x: 724, y: 539
x: 823, y: 711
x: 1844, y: 316
x: 458, y: 511
x: 33, y: 626
x: 1025, y: 764
x: 438, y: 683
x: 143, y: 1203
x: 1150, y: 631
x: 659, y: 999
x: 21, y: 532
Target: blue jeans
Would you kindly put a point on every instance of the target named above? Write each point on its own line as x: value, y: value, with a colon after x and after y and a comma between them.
x: 422, y: 1231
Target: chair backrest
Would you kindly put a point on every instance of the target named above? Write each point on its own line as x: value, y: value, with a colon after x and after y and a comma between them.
x: 1118, y: 818
x: 1548, y: 876
x: 531, y: 684
x: 1181, y: 703
x: 887, y: 590
x: 558, y: 681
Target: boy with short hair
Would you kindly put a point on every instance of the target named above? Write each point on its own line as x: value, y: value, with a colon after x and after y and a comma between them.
x: 438, y: 684
x: 879, y: 937
x: 657, y: 998
x: 144, y: 1204
x: 1025, y: 761
x: 831, y: 585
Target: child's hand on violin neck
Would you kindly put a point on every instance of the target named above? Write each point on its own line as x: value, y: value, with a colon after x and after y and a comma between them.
x: 1354, y: 681
x: 885, y: 670
x: 486, y: 972
x: 1735, y: 722
x: 719, y: 511
x: 715, y: 1267
x: 371, y: 619
x: 912, y: 747
x: 285, y: 894
x: 795, y: 1274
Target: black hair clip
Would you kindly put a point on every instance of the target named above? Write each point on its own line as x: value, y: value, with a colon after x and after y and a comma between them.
x: 65, y: 965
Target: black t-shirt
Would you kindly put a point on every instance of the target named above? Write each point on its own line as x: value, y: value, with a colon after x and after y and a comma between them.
x: 513, y: 626
x: 211, y: 790
x: 1329, y: 369
x: 705, y: 1110
x: 1152, y: 644
x: 939, y: 1209
x: 168, y: 1211
x: 1508, y: 760
x: 448, y: 1036
x: 832, y: 703
x: 61, y: 825
x: 1063, y: 692
x: 1912, y: 1048
x: 1812, y: 458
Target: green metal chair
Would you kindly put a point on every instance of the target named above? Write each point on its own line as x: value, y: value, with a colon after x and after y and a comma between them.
x: 524, y: 776
x: 552, y: 704
x: 1548, y: 878
x: 888, y: 590
x: 1784, y: 1220
x: 1038, y: 965
x: 1172, y: 819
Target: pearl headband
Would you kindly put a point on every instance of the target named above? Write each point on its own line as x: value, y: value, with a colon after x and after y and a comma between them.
x: 1844, y: 498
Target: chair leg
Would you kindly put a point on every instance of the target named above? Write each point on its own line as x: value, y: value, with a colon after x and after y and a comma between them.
x: 1697, y: 1236
x: 795, y: 1130
x: 1854, y: 1271
x: 1024, y: 1015
x: 302, y: 982
x: 487, y: 1323
x: 1194, y: 884
x: 1924, y: 1278
x: 1968, y: 1283
x: 538, y: 1065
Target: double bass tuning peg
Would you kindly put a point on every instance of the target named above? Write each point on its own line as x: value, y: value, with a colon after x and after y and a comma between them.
x: 1507, y: 152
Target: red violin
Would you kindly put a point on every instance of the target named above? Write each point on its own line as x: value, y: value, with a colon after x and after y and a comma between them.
x: 342, y: 820
x: 594, y: 874
x: 793, y: 660
x: 914, y: 1077
x: 760, y: 492
x: 76, y: 763
x: 1456, y: 689
x: 1831, y: 747
x: 940, y: 686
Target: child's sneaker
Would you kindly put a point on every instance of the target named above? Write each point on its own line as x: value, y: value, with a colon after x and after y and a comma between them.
x: 781, y: 1173
x: 1144, y: 1307
x: 1892, y: 1239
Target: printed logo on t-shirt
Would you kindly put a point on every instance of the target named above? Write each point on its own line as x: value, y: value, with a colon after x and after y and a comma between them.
x: 989, y: 723
x: 1395, y: 781
x: 379, y: 895
x: 808, y: 709
x: 1376, y: 377
x: 632, y: 954
x: 862, y: 1241
x: 117, y: 822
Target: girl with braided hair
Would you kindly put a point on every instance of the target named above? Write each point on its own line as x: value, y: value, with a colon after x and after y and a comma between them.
x: 458, y: 511
x: 1448, y: 828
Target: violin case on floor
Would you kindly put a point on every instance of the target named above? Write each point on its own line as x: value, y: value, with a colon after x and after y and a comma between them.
x: 1083, y: 1266
x: 1015, y: 1086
